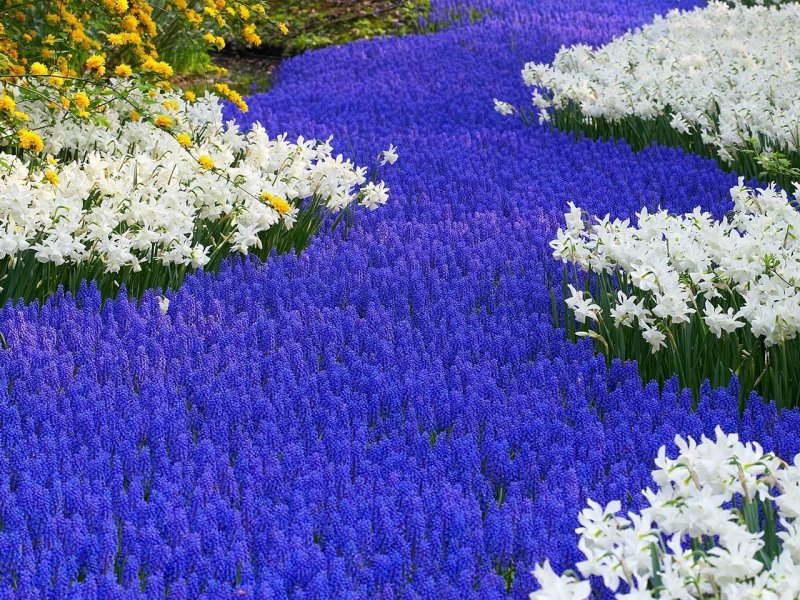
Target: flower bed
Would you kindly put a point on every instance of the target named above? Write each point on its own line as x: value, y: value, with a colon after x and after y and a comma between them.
x: 153, y: 186
x: 708, y: 80
x: 391, y: 414
x: 692, y: 296
x: 720, y: 523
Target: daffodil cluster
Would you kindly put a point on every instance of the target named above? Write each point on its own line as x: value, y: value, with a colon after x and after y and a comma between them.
x: 723, y: 77
x: 154, y: 183
x: 721, y: 523
x: 734, y: 281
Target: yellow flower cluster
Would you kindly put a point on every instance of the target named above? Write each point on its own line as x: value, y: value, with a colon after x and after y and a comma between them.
x: 157, y: 67
x: 30, y: 140
x: 72, y: 46
x: 224, y: 90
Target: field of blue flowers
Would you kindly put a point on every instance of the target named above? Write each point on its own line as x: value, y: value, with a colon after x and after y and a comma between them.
x: 392, y: 413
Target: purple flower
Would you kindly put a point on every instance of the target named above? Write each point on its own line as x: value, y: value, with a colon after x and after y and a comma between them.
x: 388, y: 415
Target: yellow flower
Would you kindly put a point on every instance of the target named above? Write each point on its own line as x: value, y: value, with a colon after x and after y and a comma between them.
x: 284, y: 29
x: 135, y: 116
x: 129, y: 23
x: 83, y: 114
x: 65, y: 102
x: 123, y: 70
x: 250, y: 35
x: 95, y: 62
x: 21, y: 115
x: 78, y: 37
x: 184, y: 139
x: 120, y: 39
x: 213, y: 40
x: 164, y: 121
x: 7, y: 103
x: 190, y: 96
x: 205, y: 161
x: 29, y: 140
x: 193, y: 17
x: 147, y: 22
x: 49, y: 39
x: 38, y: 68
x: 279, y: 204
x: 51, y: 176
x: 157, y: 67
x: 243, y: 12
x: 81, y: 100
x: 171, y: 105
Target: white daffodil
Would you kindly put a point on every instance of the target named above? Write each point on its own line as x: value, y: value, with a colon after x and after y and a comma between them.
x: 138, y: 190
x: 504, y: 108
x: 558, y: 587
x: 582, y: 306
x: 389, y: 156
x: 677, y: 263
x: 680, y: 65
x: 693, y: 502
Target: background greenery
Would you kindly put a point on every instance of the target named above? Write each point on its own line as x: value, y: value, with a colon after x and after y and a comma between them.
x: 312, y: 24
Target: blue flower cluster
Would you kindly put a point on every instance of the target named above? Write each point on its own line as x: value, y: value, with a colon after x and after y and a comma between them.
x: 389, y: 415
